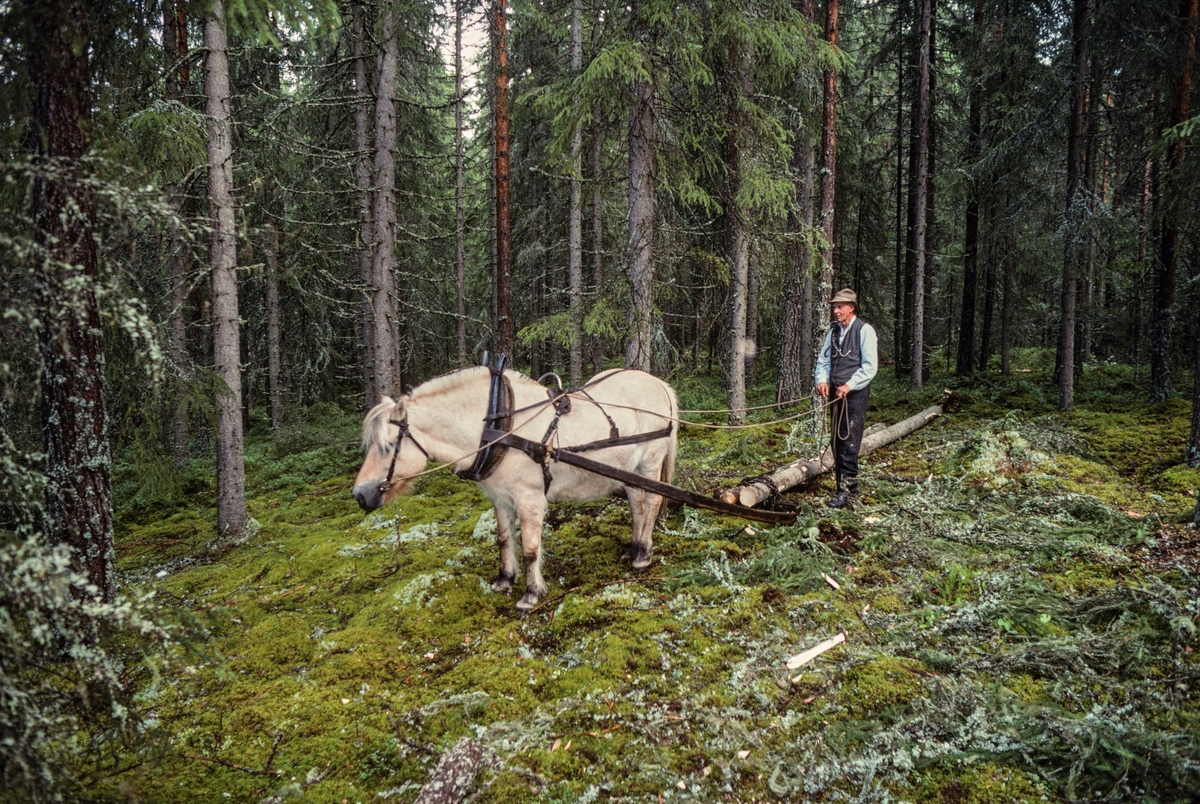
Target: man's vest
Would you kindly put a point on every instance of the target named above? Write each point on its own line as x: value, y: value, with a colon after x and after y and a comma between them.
x: 845, y: 359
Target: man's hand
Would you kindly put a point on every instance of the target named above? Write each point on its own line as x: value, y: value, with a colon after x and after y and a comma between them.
x: 823, y: 389
x: 843, y: 391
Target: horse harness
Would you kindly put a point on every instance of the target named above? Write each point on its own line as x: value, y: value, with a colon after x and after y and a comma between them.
x: 498, y: 437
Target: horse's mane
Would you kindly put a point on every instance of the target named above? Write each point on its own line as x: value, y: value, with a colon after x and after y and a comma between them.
x: 375, y: 426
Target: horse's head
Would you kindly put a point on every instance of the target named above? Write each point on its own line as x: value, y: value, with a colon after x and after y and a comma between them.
x: 385, y: 457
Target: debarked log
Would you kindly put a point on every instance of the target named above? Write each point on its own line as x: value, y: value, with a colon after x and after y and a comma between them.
x: 801, y: 471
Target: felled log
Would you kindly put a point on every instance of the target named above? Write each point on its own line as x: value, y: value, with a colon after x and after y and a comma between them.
x: 801, y: 471
x: 454, y: 775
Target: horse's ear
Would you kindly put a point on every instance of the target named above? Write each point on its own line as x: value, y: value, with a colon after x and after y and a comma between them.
x: 386, y: 400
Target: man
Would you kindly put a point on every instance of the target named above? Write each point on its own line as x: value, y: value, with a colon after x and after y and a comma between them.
x: 846, y: 364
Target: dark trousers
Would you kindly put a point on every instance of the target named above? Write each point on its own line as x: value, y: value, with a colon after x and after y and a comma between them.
x: 846, y: 419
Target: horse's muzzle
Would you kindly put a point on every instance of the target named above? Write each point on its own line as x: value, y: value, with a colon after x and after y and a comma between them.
x: 369, y: 496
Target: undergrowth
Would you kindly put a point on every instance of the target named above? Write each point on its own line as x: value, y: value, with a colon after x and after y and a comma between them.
x: 1020, y: 622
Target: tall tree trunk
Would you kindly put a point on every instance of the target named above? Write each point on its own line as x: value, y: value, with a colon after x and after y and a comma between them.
x: 921, y: 178
x: 1092, y: 156
x: 74, y: 431
x: 793, y: 369
x: 384, y: 328
x: 1007, y: 304
x: 641, y: 219
x: 828, y: 176
x: 898, y: 310
x: 175, y: 51
x: 503, y: 324
x: 274, y: 343
x: 366, y: 223
x: 597, y: 205
x: 460, y: 232
x: 275, y: 210
x: 737, y: 243
x: 231, y: 470
x: 1072, y: 212
x: 931, y: 200
x: 1168, y: 244
x: 575, y: 226
x: 966, y: 329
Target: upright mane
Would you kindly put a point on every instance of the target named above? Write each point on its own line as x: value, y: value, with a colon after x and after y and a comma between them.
x: 375, y: 426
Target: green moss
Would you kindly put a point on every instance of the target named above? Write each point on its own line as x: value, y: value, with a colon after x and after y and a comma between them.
x: 985, y: 784
x: 888, y: 681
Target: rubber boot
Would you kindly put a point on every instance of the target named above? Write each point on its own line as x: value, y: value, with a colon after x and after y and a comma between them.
x: 841, y: 497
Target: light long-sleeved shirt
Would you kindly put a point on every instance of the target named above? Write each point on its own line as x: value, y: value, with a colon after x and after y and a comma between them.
x: 869, y: 345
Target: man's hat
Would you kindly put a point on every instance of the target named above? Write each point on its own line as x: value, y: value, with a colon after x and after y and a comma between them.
x: 845, y: 296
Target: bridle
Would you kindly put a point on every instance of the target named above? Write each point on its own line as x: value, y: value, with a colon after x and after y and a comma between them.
x: 404, y: 431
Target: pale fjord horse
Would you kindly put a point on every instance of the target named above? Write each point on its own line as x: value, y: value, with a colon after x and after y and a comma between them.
x: 445, y: 418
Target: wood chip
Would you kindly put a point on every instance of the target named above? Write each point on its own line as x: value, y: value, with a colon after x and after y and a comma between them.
x: 831, y: 582
x: 801, y: 659
x: 743, y: 754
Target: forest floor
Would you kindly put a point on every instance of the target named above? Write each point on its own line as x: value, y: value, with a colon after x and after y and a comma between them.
x: 1019, y: 591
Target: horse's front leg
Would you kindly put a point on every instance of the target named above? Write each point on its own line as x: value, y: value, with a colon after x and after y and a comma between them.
x: 505, y: 518
x: 533, y: 514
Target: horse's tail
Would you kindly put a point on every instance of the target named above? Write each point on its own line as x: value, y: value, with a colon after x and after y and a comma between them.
x: 668, y: 467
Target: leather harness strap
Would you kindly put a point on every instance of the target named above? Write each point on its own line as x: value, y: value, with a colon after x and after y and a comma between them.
x: 497, y: 438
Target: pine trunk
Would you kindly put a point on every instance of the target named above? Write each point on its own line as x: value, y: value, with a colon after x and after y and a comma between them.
x: 793, y: 371
x: 384, y: 331
x: 575, y: 225
x: 366, y: 223
x: 174, y: 51
x: 274, y: 342
x: 460, y: 233
x: 641, y: 222
x: 931, y: 200
x: 828, y: 176
x: 1072, y: 209
x: 231, y: 470
x: 966, y: 329
x: 921, y: 177
x: 503, y: 324
x: 74, y: 431
x: 737, y: 248
x: 1168, y: 244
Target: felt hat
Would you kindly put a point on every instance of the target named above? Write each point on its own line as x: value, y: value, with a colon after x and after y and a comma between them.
x: 845, y: 296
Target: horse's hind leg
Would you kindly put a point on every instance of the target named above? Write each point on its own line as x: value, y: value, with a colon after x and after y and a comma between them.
x: 505, y: 518
x: 644, y: 508
x: 533, y: 514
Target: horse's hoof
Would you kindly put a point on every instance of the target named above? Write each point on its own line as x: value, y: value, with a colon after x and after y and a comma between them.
x: 641, y: 559
x: 502, y: 584
x: 528, y: 601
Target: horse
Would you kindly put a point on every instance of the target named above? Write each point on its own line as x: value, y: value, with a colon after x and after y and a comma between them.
x: 443, y: 419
